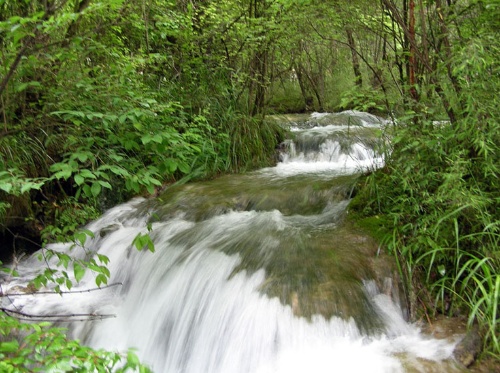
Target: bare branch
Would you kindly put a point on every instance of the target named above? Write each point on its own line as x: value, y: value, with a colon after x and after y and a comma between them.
x: 63, y: 292
x: 53, y: 318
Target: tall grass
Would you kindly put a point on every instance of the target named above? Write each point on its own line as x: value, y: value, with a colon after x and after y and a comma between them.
x: 472, y: 285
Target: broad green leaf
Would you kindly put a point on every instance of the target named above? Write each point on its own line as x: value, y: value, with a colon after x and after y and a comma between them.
x: 87, y: 174
x: 79, y: 271
x: 142, y: 241
x: 63, y: 174
x: 184, y: 167
x: 87, y: 191
x: 9, y: 347
x: 146, y: 139
x: 132, y: 359
x: 105, y: 184
x: 82, y: 157
x: 81, y: 237
x: 100, y: 280
x: 122, y: 118
x: 103, y: 258
x: 88, y: 232
x: 79, y: 180
x: 157, y: 138
x: 6, y: 187
x: 95, y: 189
x: 171, y: 164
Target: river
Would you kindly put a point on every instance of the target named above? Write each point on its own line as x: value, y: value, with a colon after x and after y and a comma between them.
x: 252, y: 273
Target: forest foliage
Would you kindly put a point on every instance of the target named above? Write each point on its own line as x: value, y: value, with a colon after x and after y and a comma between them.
x: 103, y: 100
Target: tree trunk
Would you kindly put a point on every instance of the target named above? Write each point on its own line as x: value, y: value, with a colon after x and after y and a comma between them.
x: 358, y: 78
x: 411, y: 57
x: 308, y: 100
x: 258, y: 73
x: 447, y: 48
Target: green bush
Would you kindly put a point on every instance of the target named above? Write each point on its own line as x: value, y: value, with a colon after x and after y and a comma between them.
x: 38, y: 347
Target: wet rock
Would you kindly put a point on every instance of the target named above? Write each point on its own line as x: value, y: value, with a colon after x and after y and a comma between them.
x: 468, y: 349
x: 17, y: 289
x: 109, y: 229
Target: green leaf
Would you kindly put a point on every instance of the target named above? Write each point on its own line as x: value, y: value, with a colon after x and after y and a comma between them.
x: 63, y: 174
x: 30, y: 185
x: 6, y: 187
x: 171, y: 164
x: 157, y: 138
x: 82, y: 157
x: 105, y: 184
x: 63, y: 259
x: 132, y: 359
x: 101, y: 279
x: 81, y: 237
x: 130, y: 144
x: 116, y: 157
x: 142, y: 241
x: 11, y: 346
x: 79, y: 180
x: 103, y: 258
x: 86, y: 190
x: 183, y: 167
x: 146, y: 139
x: 63, y: 366
x: 79, y: 271
x: 87, y: 174
x: 150, y: 188
x: 122, y: 118
x: 95, y: 189
x: 69, y: 114
x: 88, y: 232
x: 154, y: 181
x: 21, y: 87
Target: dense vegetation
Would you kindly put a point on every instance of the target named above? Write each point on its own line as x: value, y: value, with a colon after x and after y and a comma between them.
x: 100, y: 101
x: 439, y: 192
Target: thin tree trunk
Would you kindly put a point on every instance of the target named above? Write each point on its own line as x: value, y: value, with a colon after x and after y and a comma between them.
x: 300, y: 77
x: 259, y: 74
x: 71, y: 31
x: 358, y: 78
x: 411, y: 57
x: 447, y: 48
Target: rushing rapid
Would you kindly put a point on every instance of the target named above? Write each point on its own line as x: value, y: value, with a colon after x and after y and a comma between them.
x: 251, y: 273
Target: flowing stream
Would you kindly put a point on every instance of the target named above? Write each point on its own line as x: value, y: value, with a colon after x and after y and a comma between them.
x: 252, y: 273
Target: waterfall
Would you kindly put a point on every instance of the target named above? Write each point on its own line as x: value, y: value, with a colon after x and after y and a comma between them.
x: 251, y: 273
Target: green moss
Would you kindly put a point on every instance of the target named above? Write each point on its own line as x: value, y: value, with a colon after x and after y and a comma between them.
x: 377, y: 226
x: 364, y: 212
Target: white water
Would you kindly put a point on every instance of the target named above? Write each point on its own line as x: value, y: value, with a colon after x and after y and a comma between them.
x: 330, y: 159
x: 331, y: 156
x: 190, y: 307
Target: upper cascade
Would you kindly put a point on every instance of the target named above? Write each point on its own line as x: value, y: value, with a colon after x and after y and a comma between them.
x: 326, y: 143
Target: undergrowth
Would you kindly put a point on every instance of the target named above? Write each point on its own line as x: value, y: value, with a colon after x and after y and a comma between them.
x: 439, y: 193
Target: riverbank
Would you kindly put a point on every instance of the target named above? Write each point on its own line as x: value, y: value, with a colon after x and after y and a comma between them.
x: 469, y: 353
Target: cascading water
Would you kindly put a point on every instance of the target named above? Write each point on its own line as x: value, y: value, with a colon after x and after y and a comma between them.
x: 252, y: 273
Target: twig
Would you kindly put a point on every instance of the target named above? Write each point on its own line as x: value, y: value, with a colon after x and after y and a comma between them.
x: 63, y: 292
x: 65, y: 318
